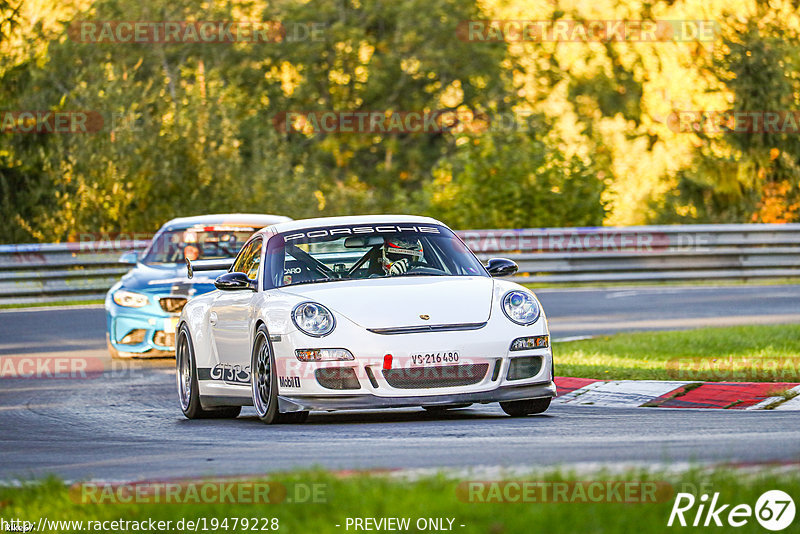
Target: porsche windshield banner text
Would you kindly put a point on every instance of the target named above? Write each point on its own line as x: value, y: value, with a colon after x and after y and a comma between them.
x: 359, y: 230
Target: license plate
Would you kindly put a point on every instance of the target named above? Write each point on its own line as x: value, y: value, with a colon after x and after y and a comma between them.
x: 432, y: 358
x: 170, y: 325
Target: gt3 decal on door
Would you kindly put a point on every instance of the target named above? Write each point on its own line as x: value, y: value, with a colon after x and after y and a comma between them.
x: 232, y: 374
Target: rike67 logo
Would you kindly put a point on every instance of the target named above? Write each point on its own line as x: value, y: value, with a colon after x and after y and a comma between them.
x: 774, y: 510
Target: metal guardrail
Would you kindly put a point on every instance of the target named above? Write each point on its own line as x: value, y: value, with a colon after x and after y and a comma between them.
x: 645, y: 253
x: 84, y: 271
x: 49, y: 272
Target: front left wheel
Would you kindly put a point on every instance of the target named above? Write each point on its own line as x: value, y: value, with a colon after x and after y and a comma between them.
x: 263, y: 378
x: 188, y: 391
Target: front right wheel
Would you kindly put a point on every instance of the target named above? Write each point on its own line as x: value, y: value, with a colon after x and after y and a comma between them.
x: 525, y: 407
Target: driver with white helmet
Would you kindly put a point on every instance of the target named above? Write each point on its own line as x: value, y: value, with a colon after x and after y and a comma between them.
x: 398, y: 255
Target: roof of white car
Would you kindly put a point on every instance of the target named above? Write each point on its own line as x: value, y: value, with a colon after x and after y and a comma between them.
x: 257, y: 220
x: 352, y: 219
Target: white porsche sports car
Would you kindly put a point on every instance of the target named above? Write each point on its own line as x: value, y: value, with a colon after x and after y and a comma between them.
x: 360, y: 313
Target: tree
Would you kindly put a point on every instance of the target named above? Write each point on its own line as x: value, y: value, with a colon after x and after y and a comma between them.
x: 751, y: 175
x: 514, y: 180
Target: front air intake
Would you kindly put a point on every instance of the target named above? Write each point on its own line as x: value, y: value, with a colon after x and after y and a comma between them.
x: 444, y: 376
x: 337, y: 378
x: 526, y: 367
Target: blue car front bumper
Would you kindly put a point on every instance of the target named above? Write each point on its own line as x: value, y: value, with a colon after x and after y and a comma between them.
x: 141, y: 332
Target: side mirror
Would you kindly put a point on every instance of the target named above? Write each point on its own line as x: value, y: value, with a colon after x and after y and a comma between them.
x: 234, y: 281
x: 130, y: 257
x: 501, y: 267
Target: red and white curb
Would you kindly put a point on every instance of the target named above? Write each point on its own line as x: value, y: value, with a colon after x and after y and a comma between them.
x: 678, y: 394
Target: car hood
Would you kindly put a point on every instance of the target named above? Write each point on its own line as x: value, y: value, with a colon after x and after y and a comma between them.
x: 400, y: 302
x: 169, y: 278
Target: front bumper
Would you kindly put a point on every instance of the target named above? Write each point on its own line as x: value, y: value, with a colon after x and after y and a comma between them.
x: 155, y: 330
x: 297, y: 403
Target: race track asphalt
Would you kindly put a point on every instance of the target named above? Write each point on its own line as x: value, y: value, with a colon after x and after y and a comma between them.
x: 126, y: 423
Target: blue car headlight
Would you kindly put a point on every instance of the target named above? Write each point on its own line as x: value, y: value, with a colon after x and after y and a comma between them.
x: 313, y: 319
x: 129, y: 299
x: 521, y: 307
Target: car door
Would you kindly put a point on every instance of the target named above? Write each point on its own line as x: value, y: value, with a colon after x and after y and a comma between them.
x: 230, y: 319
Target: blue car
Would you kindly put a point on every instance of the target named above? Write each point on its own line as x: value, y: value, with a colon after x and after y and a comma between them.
x: 142, y: 309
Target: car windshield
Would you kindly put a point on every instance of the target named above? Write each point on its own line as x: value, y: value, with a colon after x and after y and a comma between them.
x: 367, y: 251
x: 197, y: 243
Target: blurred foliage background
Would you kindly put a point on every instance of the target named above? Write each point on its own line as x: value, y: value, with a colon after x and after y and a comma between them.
x: 189, y: 128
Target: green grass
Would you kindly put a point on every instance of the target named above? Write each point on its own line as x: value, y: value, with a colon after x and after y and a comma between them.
x: 361, y: 496
x: 49, y: 304
x: 741, y: 353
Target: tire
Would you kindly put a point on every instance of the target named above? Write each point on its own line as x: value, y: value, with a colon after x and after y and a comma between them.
x: 186, y: 377
x: 525, y: 407
x: 264, y: 378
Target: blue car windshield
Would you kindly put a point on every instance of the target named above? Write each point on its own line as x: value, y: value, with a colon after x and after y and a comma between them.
x: 197, y: 243
x: 364, y: 251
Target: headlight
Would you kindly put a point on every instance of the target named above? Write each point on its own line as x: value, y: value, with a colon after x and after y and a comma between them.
x: 530, y: 343
x: 521, y: 307
x: 313, y: 319
x: 129, y: 299
x: 323, y: 355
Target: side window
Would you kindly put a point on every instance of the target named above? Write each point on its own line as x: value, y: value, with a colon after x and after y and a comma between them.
x: 255, y: 261
x: 249, y: 259
x: 241, y: 259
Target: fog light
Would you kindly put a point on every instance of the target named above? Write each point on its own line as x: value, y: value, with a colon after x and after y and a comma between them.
x: 323, y: 355
x: 134, y: 337
x: 528, y: 343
